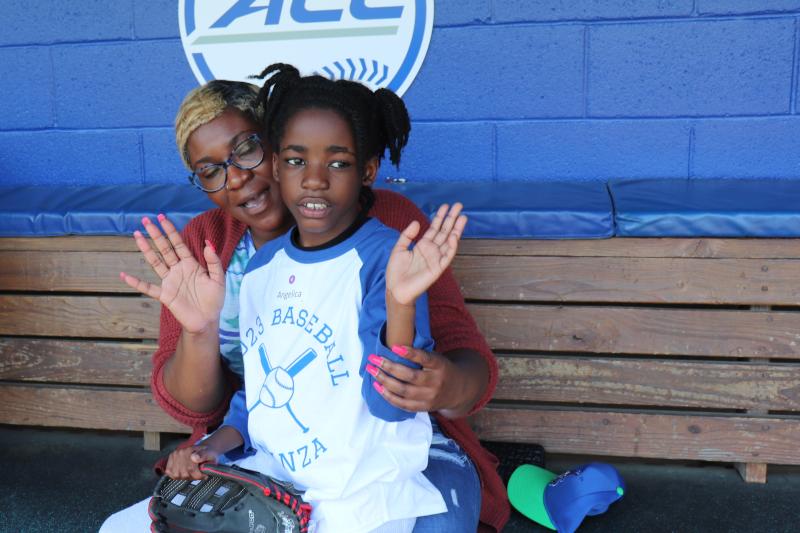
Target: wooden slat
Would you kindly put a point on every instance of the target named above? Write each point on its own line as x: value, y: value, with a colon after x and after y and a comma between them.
x: 123, y: 317
x: 639, y: 330
x: 723, y: 385
x: 752, y: 472
x: 631, y: 280
x: 152, y: 441
x: 70, y: 361
x: 71, y: 271
x: 615, y: 247
x: 84, y: 407
x: 637, y: 247
x: 647, y: 435
x: 94, y: 243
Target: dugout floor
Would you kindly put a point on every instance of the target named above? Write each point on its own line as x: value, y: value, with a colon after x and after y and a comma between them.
x: 68, y: 481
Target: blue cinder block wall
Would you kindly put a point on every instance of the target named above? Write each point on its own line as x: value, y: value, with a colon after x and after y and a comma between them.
x: 510, y: 90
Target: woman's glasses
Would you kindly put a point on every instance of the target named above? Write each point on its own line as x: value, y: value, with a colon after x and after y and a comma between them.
x: 247, y: 155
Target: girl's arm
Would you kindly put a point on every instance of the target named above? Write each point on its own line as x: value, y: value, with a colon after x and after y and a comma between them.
x: 460, y: 378
x: 411, y: 271
x: 185, y: 462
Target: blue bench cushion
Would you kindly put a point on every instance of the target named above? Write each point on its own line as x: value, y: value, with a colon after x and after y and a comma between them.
x: 518, y: 210
x: 706, y: 207
x: 94, y: 210
x: 496, y: 210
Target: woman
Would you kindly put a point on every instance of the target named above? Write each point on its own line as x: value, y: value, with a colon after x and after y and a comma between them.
x: 198, y: 362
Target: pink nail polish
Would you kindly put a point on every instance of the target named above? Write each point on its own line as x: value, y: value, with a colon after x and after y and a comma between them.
x: 145, y: 221
x: 400, y: 350
x: 122, y: 276
x: 375, y: 360
x: 372, y: 370
x: 137, y: 233
x: 378, y: 386
x: 208, y: 243
x: 161, y: 217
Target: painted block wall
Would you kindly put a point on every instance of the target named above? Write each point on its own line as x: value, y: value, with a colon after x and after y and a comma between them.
x: 510, y: 90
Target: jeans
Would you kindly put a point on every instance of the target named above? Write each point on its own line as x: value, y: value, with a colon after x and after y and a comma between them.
x: 452, y: 472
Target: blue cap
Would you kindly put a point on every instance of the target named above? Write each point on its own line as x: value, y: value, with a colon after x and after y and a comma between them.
x: 562, y: 502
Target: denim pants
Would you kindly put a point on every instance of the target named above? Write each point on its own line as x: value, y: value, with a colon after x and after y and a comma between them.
x: 452, y: 472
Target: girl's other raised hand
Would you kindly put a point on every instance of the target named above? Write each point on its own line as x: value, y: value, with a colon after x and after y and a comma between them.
x: 193, y: 294
x: 411, y: 272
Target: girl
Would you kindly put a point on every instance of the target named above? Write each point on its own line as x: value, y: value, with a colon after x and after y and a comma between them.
x: 319, y: 303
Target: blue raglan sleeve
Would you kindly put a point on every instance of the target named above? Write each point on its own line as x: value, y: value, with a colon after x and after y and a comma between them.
x: 372, y: 330
x: 237, y: 419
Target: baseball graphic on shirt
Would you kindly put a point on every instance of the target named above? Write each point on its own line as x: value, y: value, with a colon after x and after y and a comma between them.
x: 278, y: 388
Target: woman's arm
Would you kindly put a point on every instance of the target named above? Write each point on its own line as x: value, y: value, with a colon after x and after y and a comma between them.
x: 461, y: 380
x: 194, y: 375
x: 188, y: 379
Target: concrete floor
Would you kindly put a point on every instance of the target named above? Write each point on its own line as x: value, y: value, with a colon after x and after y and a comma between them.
x: 69, y: 481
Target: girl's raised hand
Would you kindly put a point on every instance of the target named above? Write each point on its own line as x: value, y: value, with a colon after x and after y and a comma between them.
x: 193, y: 294
x: 411, y: 272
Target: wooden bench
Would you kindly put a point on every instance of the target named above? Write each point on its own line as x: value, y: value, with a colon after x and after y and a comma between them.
x: 646, y: 348
x: 75, y: 342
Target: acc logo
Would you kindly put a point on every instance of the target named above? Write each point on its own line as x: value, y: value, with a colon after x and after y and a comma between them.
x: 380, y: 43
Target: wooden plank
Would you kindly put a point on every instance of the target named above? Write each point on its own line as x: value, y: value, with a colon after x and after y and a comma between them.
x: 644, y: 382
x: 71, y: 361
x: 637, y: 247
x: 614, y: 247
x: 74, y: 243
x: 770, y: 440
x: 123, y: 317
x: 71, y: 271
x: 152, y: 441
x: 640, y: 330
x: 752, y: 472
x: 84, y: 407
x: 630, y: 280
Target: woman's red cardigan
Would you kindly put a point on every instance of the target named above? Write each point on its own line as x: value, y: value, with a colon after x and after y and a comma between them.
x: 452, y: 328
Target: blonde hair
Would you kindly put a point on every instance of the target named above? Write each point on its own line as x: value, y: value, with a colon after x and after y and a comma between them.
x: 207, y: 102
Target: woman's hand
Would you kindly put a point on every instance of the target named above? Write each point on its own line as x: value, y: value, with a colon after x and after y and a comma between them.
x: 193, y: 294
x: 450, y: 384
x: 411, y: 272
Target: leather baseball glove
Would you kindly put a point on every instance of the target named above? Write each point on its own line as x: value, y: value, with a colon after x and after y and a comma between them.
x: 229, y: 500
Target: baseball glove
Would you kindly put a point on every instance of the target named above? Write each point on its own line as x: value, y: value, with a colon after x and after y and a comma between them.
x: 229, y: 500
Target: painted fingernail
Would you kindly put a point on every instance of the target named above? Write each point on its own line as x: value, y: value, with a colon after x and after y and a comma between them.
x: 145, y: 221
x: 375, y: 360
x: 161, y: 217
x: 378, y: 386
x: 400, y: 350
x: 372, y: 370
x: 137, y: 233
x: 208, y: 243
x: 122, y: 276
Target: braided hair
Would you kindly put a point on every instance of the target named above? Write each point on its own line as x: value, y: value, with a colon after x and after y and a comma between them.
x: 378, y: 120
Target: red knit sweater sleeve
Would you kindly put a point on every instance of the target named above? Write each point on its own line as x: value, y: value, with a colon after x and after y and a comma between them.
x: 452, y: 326
x: 224, y: 233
